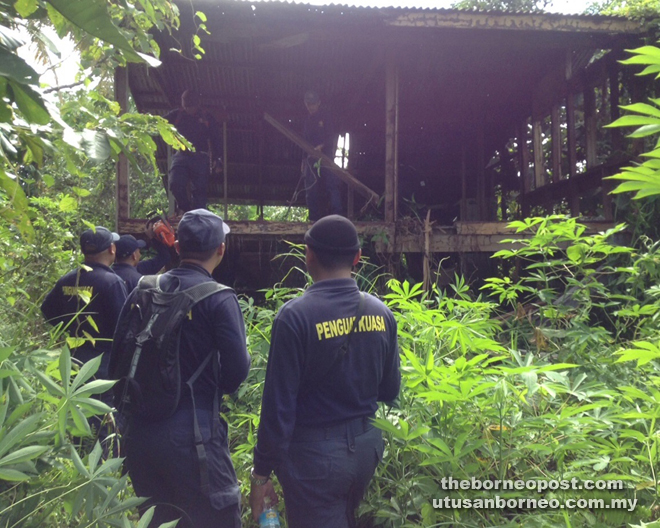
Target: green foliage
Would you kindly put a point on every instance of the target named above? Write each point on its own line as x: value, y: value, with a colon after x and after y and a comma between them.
x: 642, y: 178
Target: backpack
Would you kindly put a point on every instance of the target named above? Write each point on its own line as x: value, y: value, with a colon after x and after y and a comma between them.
x: 145, y: 349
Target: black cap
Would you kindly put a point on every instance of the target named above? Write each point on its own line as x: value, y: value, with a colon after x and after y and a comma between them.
x: 127, y: 244
x: 201, y: 230
x: 312, y: 97
x: 333, y: 234
x: 93, y: 241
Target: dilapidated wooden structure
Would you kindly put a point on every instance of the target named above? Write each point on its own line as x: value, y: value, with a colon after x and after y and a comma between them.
x: 475, y: 116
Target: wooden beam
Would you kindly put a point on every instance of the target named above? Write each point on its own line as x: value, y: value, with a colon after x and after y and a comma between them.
x: 123, y: 196
x: 391, y: 138
x: 590, y: 126
x: 463, y: 206
x: 556, y: 144
x: 539, y: 165
x: 344, y: 175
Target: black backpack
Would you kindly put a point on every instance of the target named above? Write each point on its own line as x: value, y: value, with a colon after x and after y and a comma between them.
x: 145, y: 349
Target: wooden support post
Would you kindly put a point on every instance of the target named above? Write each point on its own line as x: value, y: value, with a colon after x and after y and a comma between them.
x: 556, y: 144
x: 539, y: 166
x: 523, y: 160
x: 123, y: 190
x: 260, y: 132
x: 464, y: 215
x: 225, y: 198
x: 615, y: 112
x: 590, y: 126
x: 482, y: 205
x: 574, y: 197
x: 391, y: 138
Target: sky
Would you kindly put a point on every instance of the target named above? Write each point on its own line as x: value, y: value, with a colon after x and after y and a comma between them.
x: 65, y: 72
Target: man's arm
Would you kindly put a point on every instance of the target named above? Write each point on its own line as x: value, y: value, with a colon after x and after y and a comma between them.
x: 50, y: 307
x: 154, y: 265
x: 230, y: 339
x: 278, y: 407
x: 391, y: 382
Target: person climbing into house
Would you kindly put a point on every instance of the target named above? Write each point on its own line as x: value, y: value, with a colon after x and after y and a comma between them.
x: 128, y: 264
x: 190, y: 168
x: 321, y: 186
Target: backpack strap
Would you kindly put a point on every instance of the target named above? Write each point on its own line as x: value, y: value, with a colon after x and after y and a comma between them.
x: 197, y: 294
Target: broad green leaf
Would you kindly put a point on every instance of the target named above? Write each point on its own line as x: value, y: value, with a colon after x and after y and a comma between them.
x: 23, y: 454
x: 26, y: 7
x: 92, y: 17
x: 12, y: 475
x: 30, y: 104
x: 16, y: 69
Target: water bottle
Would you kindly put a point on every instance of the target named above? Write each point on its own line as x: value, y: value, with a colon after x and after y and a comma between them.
x: 269, y: 518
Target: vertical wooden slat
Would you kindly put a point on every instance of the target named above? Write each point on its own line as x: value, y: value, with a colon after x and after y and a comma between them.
x: 539, y: 168
x: 391, y: 138
x: 123, y: 189
x: 556, y: 144
x: 590, y: 126
x: 574, y: 197
x: 225, y: 198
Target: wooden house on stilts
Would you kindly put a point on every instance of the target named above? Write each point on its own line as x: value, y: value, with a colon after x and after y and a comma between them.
x: 466, y: 118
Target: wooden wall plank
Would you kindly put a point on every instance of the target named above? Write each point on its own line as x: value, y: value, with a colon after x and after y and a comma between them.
x: 391, y: 137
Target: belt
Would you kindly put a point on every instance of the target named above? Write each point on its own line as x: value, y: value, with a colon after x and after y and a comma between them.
x: 349, y: 430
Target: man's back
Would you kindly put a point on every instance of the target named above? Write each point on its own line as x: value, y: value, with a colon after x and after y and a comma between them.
x: 68, y: 300
x: 349, y: 387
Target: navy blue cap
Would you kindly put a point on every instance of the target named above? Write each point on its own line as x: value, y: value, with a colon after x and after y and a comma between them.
x: 312, y: 97
x: 127, y: 244
x: 93, y: 241
x: 333, y: 234
x: 201, y: 230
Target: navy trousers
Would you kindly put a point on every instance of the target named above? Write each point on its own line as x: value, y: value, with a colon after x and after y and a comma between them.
x: 327, y: 472
x: 194, y: 168
x: 163, y: 465
x: 323, y: 193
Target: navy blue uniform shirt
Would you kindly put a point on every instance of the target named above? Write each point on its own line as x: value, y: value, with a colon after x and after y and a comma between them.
x: 107, y: 292
x: 131, y: 274
x: 319, y: 129
x: 306, y: 332
x: 199, y: 129
x: 214, y: 325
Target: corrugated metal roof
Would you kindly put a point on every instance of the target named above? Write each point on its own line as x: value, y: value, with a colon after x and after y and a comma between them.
x: 412, y: 7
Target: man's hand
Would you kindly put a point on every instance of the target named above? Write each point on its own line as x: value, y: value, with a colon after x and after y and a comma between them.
x: 257, y: 495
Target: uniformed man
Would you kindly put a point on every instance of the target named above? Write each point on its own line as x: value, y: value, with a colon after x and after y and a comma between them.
x: 333, y: 356
x: 92, y: 291
x: 129, y: 265
x: 201, y: 129
x: 322, y: 189
x: 161, y: 456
